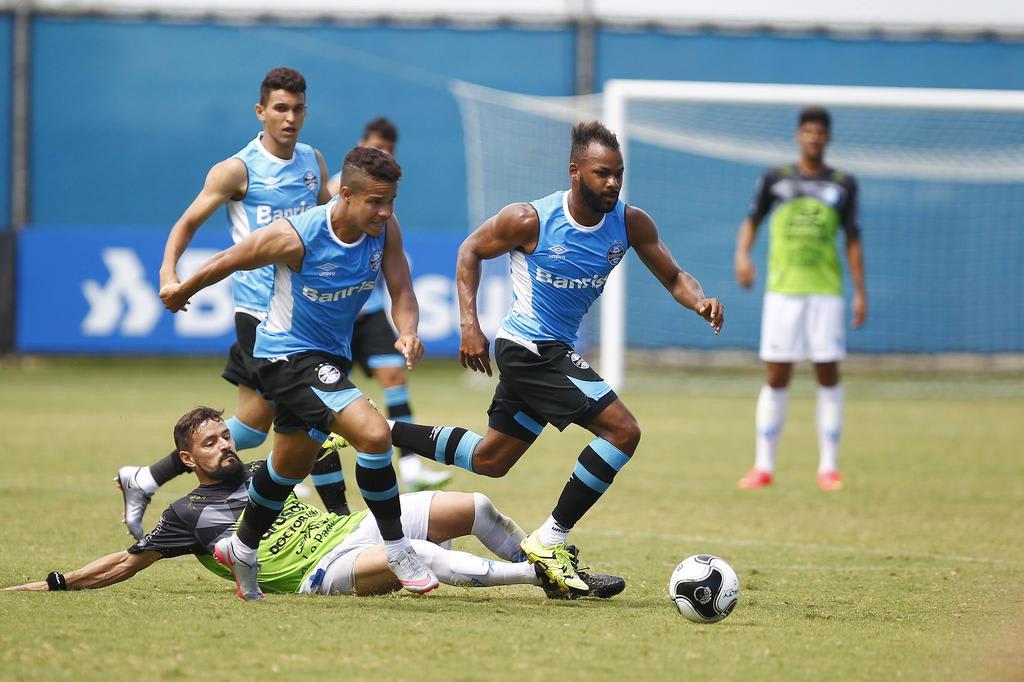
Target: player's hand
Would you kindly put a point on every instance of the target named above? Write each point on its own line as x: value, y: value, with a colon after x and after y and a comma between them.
x: 860, y: 309
x: 712, y: 311
x: 473, y: 350
x: 40, y: 586
x: 411, y: 347
x: 173, y: 297
x: 746, y: 273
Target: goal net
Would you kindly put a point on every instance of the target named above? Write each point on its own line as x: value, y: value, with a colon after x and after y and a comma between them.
x: 941, y: 176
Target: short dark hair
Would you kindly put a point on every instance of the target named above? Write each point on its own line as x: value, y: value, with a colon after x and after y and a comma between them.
x: 282, y: 78
x: 191, y: 422
x: 815, y: 115
x: 590, y: 131
x: 372, y: 162
x: 383, y: 128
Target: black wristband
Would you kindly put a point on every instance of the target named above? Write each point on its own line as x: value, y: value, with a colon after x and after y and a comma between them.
x: 56, y: 582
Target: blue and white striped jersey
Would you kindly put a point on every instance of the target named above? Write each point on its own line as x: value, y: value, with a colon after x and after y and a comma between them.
x: 554, y: 287
x: 316, y: 307
x: 277, y: 188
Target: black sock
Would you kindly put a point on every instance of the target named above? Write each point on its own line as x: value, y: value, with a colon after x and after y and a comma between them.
x: 451, y: 445
x: 396, y: 398
x: 168, y: 467
x: 329, y: 480
x: 414, y: 438
x: 379, y: 486
x: 267, y: 493
x: 595, y: 470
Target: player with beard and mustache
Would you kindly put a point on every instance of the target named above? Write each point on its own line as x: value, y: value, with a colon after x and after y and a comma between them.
x: 562, y: 249
x: 310, y: 551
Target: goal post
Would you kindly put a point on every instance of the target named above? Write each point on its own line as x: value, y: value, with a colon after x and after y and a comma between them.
x: 1001, y: 162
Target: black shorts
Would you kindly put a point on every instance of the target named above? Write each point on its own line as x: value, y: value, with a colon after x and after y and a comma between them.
x: 307, y: 389
x: 554, y: 385
x: 242, y: 368
x: 373, y: 343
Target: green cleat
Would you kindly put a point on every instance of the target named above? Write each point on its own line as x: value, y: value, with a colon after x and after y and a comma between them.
x: 602, y: 586
x: 557, y: 562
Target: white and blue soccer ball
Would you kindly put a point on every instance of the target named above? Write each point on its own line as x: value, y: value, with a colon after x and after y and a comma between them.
x: 704, y: 588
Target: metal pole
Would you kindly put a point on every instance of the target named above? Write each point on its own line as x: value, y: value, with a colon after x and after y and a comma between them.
x: 586, y: 27
x: 21, y: 67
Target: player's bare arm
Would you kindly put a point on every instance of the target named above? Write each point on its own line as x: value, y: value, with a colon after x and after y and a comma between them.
x: 276, y: 243
x: 105, y: 571
x: 405, y: 310
x: 325, y: 194
x: 227, y: 180
x: 746, y: 273
x: 514, y: 226
x: 684, y: 287
x: 855, y: 257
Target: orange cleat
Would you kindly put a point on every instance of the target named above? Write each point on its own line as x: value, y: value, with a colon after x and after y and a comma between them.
x: 830, y: 480
x: 757, y: 478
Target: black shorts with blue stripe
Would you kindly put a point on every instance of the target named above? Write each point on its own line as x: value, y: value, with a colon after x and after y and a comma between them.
x: 242, y: 368
x: 546, y: 382
x: 308, y: 388
x: 373, y: 343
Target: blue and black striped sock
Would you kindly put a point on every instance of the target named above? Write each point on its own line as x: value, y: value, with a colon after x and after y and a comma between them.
x: 595, y: 470
x: 379, y: 487
x: 452, y: 445
x: 267, y: 492
x: 329, y: 479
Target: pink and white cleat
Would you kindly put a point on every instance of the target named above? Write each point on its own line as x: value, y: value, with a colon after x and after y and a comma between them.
x: 246, y: 574
x: 412, y: 572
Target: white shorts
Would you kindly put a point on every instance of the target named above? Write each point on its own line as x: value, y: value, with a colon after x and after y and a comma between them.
x: 795, y: 328
x: 339, y: 564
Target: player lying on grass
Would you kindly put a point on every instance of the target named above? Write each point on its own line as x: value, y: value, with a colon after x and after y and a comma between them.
x: 310, y: 551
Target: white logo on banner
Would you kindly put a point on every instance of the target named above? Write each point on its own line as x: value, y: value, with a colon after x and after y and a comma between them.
x: 130, y: 305
x: 127, y: 302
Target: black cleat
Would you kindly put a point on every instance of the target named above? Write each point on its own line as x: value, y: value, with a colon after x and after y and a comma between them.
x: 601, y: 586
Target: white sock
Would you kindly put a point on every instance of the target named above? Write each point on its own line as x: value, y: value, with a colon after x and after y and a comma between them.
x: 468, y: 570
x: 410, y: 467
x: 392, y: 548
x: 242, y: 551
x: 497, y: 532
x: 830, y: 426
x: 769, y: 419
x: 144, y: 479
x: 552, y: 533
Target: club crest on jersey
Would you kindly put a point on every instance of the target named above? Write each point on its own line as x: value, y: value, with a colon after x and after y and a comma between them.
x: 327, y: 374
x: 577, y: 359
x: 310, y: 180
x: 375, y: 259
x: 830, y: 195
x: 615, y: 253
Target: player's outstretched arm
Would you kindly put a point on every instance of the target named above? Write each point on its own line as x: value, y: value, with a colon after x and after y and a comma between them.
x: 226, y: 180
x: 405, y: 310
x: 103, y: 572
x: 275, y: 243
x: 514, y: 226
x: 684, y: 287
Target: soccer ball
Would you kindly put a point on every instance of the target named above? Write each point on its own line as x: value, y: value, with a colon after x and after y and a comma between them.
x: 704, y: 588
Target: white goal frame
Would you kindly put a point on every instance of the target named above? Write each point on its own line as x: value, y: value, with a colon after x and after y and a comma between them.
x: 617, y: 94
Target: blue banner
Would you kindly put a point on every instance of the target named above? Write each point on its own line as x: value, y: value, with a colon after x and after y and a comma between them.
x: 94, y: 290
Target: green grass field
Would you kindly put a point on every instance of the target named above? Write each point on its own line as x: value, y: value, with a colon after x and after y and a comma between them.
x: 915, y: 570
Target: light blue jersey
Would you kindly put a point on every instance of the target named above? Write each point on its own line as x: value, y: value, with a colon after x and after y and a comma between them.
x: 316, y: 307
x: 277, y: 188
x: 554, y: 287
x: 375, y: 303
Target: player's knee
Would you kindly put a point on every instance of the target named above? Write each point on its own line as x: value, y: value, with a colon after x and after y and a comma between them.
x: 375, y: 437
x: 627, y: 435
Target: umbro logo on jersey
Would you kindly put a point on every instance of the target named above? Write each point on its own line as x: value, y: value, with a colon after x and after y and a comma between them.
x: 558, y: 252
x: 271, y: 182
x: 327, y: 269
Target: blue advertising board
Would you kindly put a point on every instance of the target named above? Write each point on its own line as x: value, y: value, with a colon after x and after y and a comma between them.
x: 94, y: 290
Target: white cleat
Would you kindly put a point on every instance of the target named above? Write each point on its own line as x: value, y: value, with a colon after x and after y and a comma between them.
x: 135, y: 500
x: 417, y: 477
x: 246, y: 574
x: 412, y: 572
